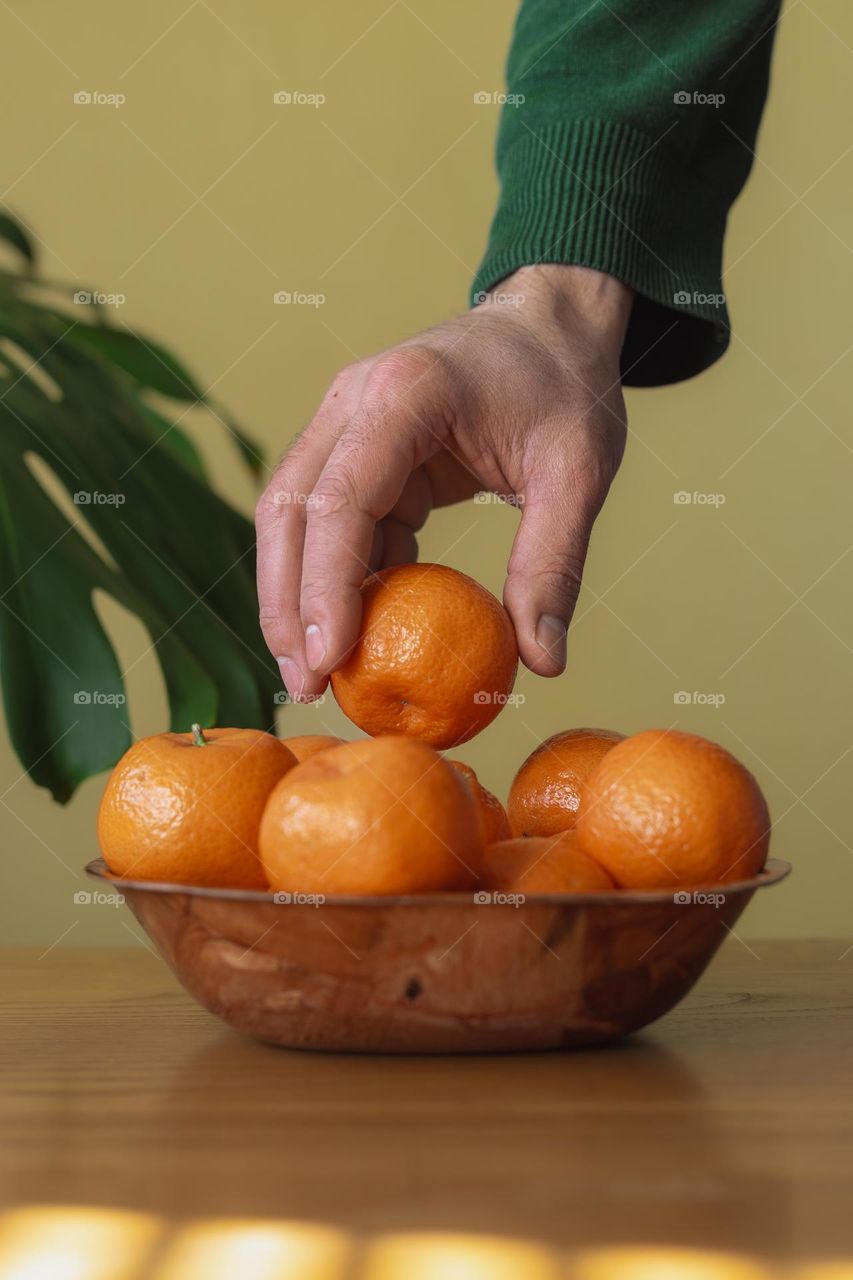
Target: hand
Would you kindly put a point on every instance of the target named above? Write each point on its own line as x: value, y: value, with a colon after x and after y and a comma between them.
x: 520, y: 396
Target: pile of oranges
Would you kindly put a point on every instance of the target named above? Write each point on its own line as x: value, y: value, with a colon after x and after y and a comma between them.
x: 589, y: 811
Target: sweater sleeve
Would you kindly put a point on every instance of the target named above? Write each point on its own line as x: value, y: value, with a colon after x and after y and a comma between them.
x: 626, y: 134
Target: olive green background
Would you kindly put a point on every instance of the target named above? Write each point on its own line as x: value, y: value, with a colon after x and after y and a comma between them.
x: 199, y: 198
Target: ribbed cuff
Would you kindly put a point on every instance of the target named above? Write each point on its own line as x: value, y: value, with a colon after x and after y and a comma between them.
x: 604, y: 196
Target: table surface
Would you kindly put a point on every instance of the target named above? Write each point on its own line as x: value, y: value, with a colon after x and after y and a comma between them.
x: 727, y: 1125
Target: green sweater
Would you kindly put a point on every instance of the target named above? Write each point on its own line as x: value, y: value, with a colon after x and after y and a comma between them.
x: 627, y: 134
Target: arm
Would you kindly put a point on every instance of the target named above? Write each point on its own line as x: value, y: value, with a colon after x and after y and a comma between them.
x: 633, y: 139
x: 613, y: 207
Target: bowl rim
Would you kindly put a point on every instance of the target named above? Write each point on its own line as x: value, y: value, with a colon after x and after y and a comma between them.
x: 774, y: 870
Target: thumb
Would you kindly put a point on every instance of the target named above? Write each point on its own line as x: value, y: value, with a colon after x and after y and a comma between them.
x: 544, y: 576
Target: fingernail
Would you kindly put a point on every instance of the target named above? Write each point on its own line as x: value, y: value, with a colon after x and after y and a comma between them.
x: 292, y: 677
x: 315, y: 648
x: 551, y: 636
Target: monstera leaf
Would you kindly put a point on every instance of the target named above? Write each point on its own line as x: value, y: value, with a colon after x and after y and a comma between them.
x: 84, y: 396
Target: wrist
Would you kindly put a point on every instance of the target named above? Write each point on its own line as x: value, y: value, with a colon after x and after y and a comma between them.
x: 572, y: 298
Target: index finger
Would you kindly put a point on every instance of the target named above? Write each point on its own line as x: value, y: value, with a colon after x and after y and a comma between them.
x: 280, y: 523
x: 362, y: 481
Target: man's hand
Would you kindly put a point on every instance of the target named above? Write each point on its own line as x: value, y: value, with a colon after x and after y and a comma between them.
x: 520, y: 396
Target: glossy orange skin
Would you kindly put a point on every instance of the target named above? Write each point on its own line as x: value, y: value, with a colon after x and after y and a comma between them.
x: 436, y: 658
x: 546, y: 791
x: 495, y: 823
x: 542, y: 864
x: 309, y: 744
x: 190, y: 814
x: 380, y: 816
x: 666, y: 809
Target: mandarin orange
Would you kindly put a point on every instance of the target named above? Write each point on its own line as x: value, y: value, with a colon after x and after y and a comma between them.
x: 436, y: 657
x: 542, y: 864
x: 665, y: 809
x: 382, y: 815
x: 186, y: 807
x: 546, y: 791
x: 308, y: 744
x: 495, y: 824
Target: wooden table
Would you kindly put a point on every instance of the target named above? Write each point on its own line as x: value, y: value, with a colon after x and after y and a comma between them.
x: 726, y: 1126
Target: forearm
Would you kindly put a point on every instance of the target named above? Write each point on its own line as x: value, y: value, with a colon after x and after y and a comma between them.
x: 602, y: 166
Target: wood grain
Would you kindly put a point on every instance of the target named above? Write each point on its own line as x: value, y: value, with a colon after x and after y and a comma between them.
x: 729, y: 1124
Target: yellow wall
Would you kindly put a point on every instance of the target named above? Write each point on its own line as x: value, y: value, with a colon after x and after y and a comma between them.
x: 381, y: 199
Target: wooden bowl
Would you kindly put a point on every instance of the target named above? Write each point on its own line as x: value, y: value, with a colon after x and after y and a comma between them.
x: 441, y: 973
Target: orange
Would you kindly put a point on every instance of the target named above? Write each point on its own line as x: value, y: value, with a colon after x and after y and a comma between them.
x: 309, y: 744
x: 379, y: 816
x: 542, y: 864
x: 494, y: 822
x: 436, y: 657
x: 546, y: 792
x: 665, y: 809
x: 186, y: 807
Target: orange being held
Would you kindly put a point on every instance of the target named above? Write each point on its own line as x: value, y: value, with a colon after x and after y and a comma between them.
x: 436, y: 656
x: 383, y: 815
x: 546, y: 791
x: 186, y: 807
x: 665, y: 809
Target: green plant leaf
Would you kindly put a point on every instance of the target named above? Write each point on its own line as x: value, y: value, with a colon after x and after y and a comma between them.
x: 169, y: 436
x: 55, y: 653
x: 249, y: 449
x: 177, y: 554
x: 145, y: 360
x: 14, y: 234
x: 155, y: 368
